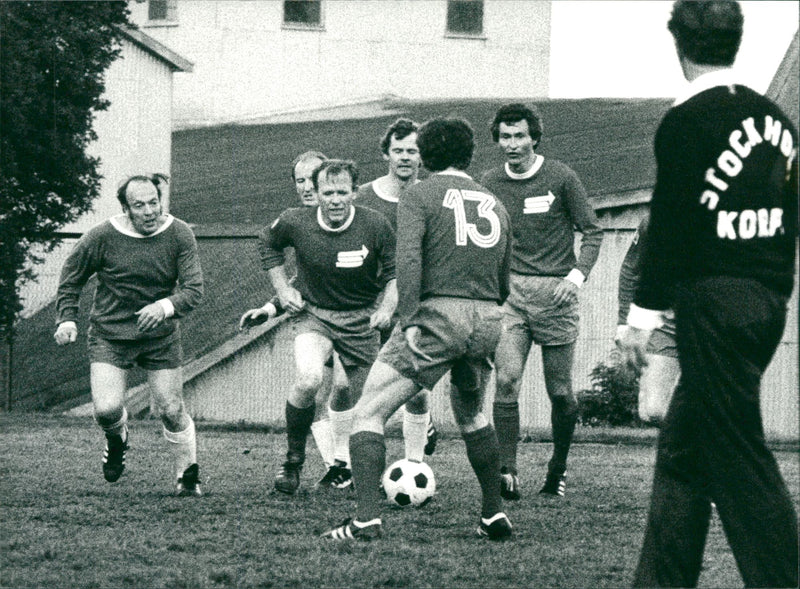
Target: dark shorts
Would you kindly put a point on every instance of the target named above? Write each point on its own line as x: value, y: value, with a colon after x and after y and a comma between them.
x: 458, y: 334
x: 353, y: 339
x: 158, y: 353
x: 662, y: 340
x: 530, y: 308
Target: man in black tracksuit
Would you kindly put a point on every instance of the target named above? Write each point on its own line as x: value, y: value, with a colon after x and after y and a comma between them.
x: 720, y: 253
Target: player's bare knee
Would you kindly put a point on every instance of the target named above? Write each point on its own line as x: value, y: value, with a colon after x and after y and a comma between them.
x: 308, y: 383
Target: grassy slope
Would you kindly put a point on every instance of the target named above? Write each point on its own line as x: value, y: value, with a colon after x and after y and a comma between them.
x: 63, y: 526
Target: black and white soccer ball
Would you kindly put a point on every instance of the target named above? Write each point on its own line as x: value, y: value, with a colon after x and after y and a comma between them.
x: 409, y: 483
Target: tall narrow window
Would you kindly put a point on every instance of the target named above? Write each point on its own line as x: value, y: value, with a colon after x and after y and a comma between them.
x: 303, y: 13
x: 162, y: 10
x: 465, y: 17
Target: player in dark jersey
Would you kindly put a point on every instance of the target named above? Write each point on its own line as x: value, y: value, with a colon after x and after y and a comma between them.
x: 453, y: 252
x: 399, y: 148
x: 148, y: 276
x: 345, y: 262
x: 659, y: 378
x: 720, y: 251
x: 547, y: 203
x: 333, y: 391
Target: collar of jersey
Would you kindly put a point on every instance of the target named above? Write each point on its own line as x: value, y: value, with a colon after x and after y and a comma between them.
x: 344, y: 226
x: 382, y: 195
x: 454, y: 173
x: 723, y: 77
x: 116, y: 222
x: 537, y: 164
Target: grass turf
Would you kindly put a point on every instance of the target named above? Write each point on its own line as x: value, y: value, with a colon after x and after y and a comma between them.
x: 63, y: 526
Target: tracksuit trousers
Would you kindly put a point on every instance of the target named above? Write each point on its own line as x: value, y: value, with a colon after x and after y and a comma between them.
x: 712, y: 447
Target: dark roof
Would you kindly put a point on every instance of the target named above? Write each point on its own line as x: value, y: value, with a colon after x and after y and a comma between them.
x: 230, y: 181
x: 144, y: 41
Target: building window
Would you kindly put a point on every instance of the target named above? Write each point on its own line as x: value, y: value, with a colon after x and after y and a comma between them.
x: 162, y: 10
x: 465, y: 17
x: 302, y: 13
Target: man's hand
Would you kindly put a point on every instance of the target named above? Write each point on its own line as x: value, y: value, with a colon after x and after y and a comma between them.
x: 566, y: 292
x: 291, y: 300
x: 380, y: 319
x: 633, y: 345
x: 258, y: 316
x: 150, y: 316
x: 66, y: 333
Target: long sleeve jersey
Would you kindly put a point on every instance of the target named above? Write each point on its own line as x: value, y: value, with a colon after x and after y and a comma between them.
x: 629, y: 271
x: 368, y: 197
x: 453, y: 239
x: 342, y: 269
x: 546, y: 205
x: 725, y: 199
x: 132, y: 271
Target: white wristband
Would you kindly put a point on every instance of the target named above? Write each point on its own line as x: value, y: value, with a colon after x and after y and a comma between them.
x: 576, y: 277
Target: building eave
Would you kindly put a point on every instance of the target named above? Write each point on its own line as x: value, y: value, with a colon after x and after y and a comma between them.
x: 175, y: 62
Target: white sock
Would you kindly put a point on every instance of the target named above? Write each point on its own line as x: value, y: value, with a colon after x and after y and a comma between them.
x: 184, y: 447
x: 120, y: 428
x: 323, y: 437
x: 415, y: 434
x: 342, y: 425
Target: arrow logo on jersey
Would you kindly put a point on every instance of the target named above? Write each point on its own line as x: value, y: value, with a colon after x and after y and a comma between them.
x: 352, y: 259
x: 538, y: 204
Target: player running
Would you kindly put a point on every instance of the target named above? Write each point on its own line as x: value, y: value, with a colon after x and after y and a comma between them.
x: 333, y: 393
x: 345, y: 262
x: 720, y: 251
x: 453, y: 247
x: 148, y: 276
x: 399, y: 148
x: 547, y: 203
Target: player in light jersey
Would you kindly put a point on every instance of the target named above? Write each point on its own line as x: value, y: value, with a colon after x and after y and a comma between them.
x: 658, y: 380
x: 345, y: 262
x: 547, y: 204
x: 720, y: 252
x: 148, y: 276
x: 453, y: 252
x: 333, y: 392
x: 399, y: 148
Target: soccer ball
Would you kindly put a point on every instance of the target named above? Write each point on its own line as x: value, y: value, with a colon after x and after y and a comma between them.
x: 409, y: 483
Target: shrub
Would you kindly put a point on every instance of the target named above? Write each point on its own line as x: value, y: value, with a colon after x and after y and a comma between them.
x: 613, y: 398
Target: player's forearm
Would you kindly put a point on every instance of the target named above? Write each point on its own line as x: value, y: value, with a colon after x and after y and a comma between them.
x: 388, y: 297
x: 190, y: 285
x: 592, y: 239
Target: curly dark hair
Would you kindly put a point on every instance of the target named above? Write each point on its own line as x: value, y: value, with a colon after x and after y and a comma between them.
x: 708, y: 32
x: 513, y: 113
x: 446, y: 142
x: 335, y: 168
x: 400, y: 129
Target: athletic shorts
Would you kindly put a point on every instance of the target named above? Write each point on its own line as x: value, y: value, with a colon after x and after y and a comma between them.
x: 353, y: 339
x: 158, y: 353
x: 530, y: 308
x: 457, y: 334
x: 662, y: 340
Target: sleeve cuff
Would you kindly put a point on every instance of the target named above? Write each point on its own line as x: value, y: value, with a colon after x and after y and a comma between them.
x: 641, y: 318
x: 68, y: 324
x: 169, y: 308
x: 576, y: 277
x: 271, y: 309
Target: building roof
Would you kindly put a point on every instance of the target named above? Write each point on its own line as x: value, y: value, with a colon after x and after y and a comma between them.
x: 159, y: 50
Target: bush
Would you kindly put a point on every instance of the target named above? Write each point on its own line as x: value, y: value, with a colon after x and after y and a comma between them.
x: 613, y: 398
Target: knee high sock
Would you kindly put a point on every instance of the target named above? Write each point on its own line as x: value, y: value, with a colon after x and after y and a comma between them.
x: 368, y: 450
x: 322, y: 432
x: 563, y: 417
x: 117, y: 428
x: 342, y: 426
x: 482, y: 452
x: 298, y: 424
x: 184, y: 447
x: 415, y: 434
x: 506, y: 424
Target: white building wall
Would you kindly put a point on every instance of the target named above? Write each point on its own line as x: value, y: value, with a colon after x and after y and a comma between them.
x: 133, y: 136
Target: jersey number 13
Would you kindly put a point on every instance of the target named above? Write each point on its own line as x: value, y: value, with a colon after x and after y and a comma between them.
x: 454, y: 199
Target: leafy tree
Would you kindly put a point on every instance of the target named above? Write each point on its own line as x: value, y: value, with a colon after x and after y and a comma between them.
x: 53, y: 58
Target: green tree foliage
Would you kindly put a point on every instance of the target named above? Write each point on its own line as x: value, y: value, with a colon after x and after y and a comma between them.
x: 53, y: 58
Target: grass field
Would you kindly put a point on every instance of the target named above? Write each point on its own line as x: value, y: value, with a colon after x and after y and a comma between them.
x: 61, y: 525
